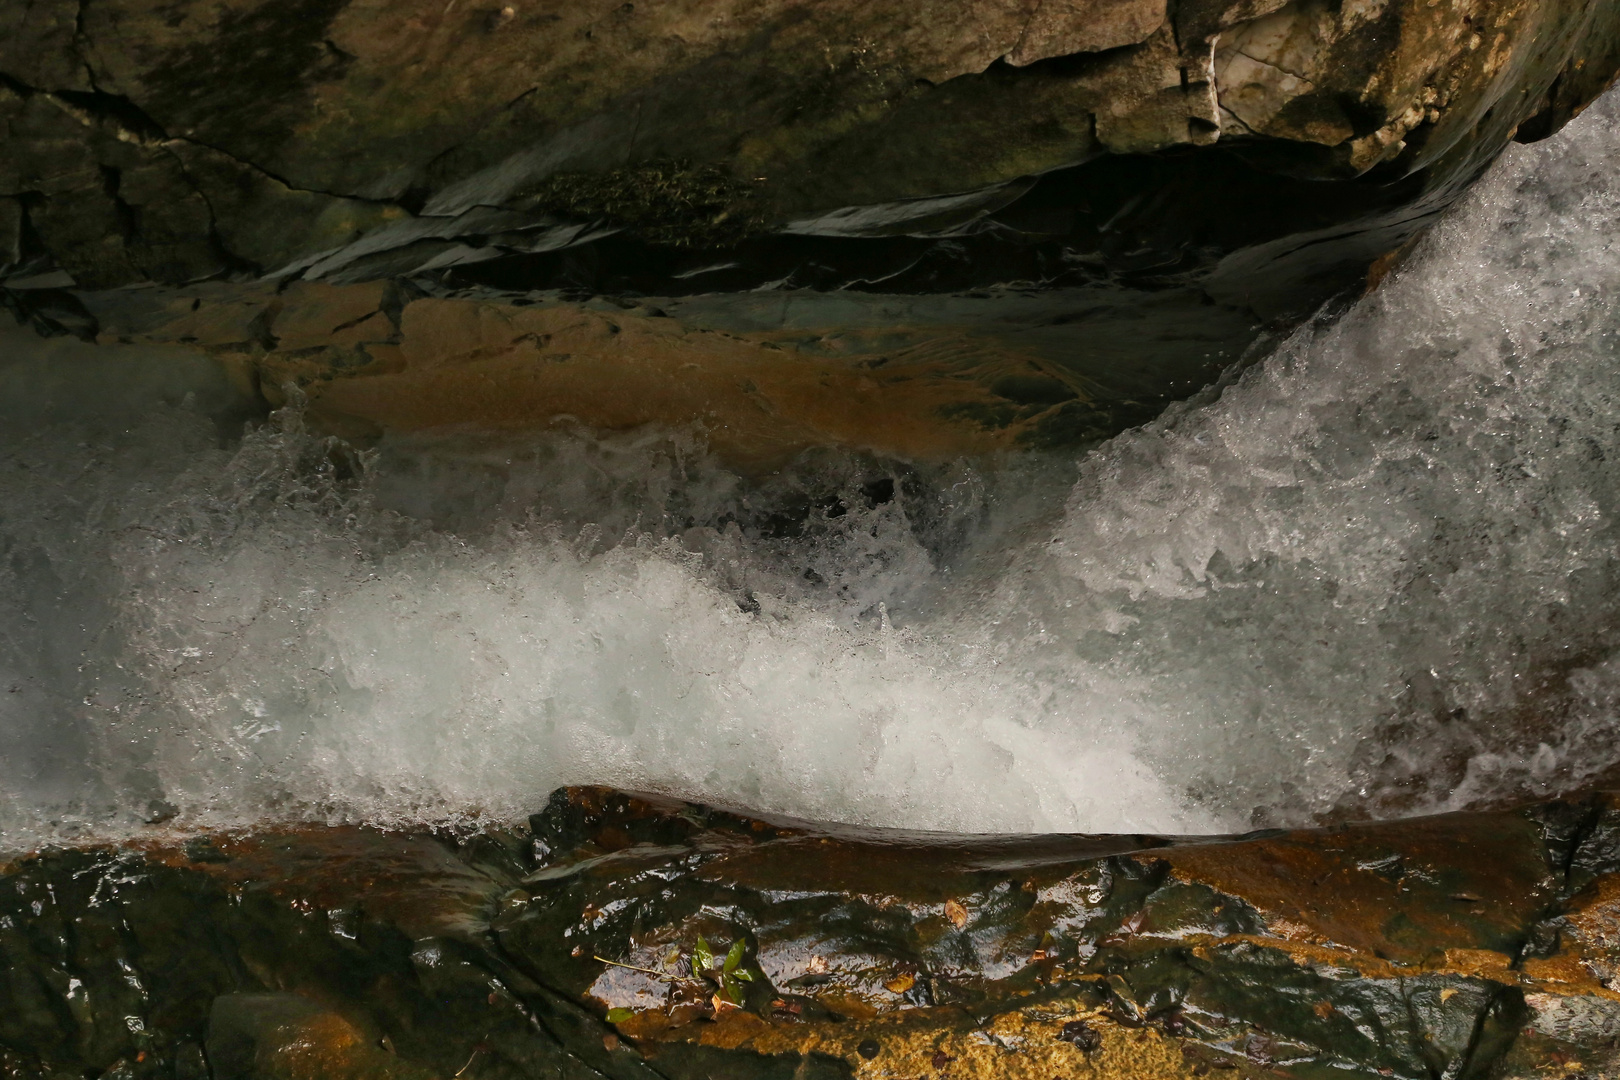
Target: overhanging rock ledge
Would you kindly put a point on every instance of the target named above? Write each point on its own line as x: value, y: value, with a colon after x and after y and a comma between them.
x: 1125, y: 194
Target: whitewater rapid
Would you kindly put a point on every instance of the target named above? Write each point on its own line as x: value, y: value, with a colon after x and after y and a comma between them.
x: 1375, y: 574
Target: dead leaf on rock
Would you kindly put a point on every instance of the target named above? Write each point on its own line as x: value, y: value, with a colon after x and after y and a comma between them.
x: 956, y: 913
x: 900, y: 983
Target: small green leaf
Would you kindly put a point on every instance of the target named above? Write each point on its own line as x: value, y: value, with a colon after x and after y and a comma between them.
x: 704, y: 955
x: 618, y: 1016
x: 734, y: 993
x: 735, y: 955
x: 744, y: 974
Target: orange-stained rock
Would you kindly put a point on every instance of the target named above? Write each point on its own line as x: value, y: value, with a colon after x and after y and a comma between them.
x: 643, y: 938
x: 370, y: 358
x: 501, y: 367
x: 1456, y: 882
x: 308, y: 316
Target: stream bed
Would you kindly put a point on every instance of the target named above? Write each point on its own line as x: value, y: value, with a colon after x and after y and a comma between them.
x: 1373, y: 574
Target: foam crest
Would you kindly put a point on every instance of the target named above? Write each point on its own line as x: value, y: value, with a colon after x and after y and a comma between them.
x: 1374, y: 574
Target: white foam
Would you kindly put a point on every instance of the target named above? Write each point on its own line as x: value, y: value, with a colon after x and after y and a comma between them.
x: 1376, y: 574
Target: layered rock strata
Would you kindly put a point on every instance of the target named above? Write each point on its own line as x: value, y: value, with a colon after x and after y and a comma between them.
x: 634, y: 937
x: 1076, y: 168
x: 163, y: 141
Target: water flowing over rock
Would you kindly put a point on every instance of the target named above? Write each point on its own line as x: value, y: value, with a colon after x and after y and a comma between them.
x: 1370, y: 575
x: 892, y: 413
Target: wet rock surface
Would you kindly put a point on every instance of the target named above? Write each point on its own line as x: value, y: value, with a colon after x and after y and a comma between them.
x: 630, y: 936
x: 330, y: 111
x: 923, y: 378
x: 1233, y: 164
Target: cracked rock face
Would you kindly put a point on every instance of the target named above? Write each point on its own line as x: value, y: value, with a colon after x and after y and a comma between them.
x: 163, y: 141
x: 639, y: 938
x: 1005, y: 184
x: 1011, y: 185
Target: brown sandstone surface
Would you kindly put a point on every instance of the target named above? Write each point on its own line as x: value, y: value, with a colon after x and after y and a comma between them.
x: 368, y: 360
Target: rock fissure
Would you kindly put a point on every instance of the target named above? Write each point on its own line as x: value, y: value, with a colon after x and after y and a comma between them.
x: 1304, y: 79
x: 1085, y: 958
x: 1234, y: 119
x: 16, y: 86
x: 390, y: 204
x: 1103, y: 102
x: 1493, y: 1035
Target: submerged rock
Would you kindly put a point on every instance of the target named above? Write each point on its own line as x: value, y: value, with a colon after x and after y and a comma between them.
x: 632, y: 936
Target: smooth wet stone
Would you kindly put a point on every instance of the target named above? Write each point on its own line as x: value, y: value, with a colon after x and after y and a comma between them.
x: 920, y: 378
x: 1470, y: 945
x: 1251, y: 158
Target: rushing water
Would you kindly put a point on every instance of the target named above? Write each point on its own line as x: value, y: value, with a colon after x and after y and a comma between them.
x: 1375, y: 574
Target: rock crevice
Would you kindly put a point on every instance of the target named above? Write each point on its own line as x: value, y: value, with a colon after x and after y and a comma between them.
x: 423, y: 106
x: 637, y: 937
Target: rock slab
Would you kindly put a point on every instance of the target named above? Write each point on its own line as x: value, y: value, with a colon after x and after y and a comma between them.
x: 638, y: 937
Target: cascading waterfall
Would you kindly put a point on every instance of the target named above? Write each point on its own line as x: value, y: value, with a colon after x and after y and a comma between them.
x: 1375, y: 574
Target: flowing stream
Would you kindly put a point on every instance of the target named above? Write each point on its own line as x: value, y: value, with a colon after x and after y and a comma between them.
x: 1375, y: 574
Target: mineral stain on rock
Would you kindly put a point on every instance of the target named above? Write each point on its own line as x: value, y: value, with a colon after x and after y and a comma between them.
x: 1256, y: 159
x: 385, y: 357
x: 320, y: 952
x: 919, y: 230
